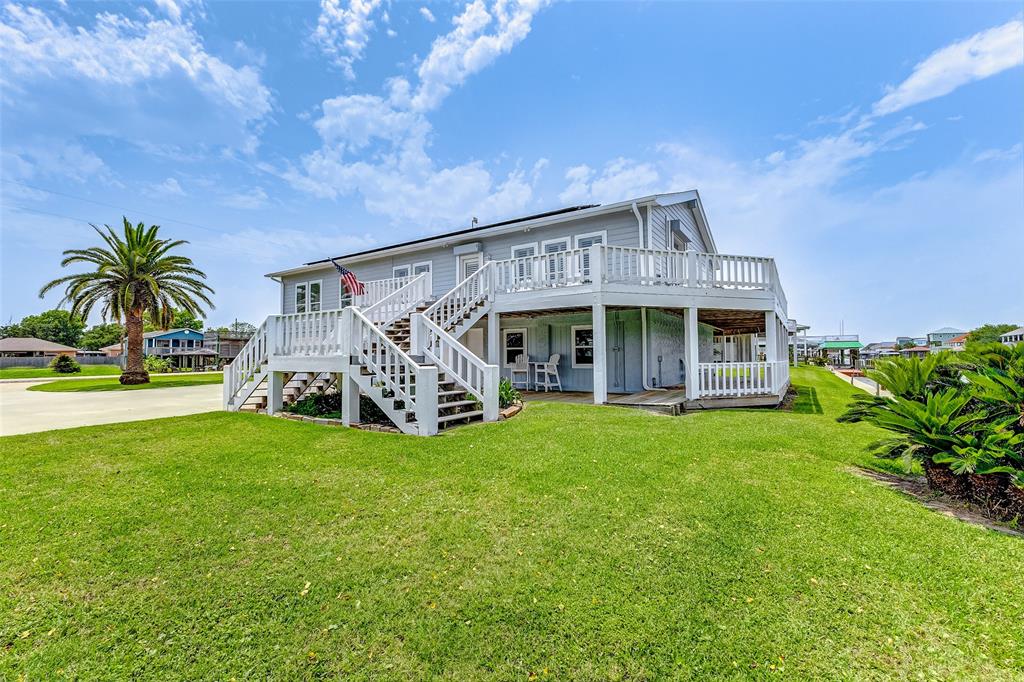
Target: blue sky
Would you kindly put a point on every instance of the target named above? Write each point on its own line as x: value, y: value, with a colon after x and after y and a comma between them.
x: 874, y: 149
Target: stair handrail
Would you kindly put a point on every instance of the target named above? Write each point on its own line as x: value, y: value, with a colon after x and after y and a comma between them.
x: 246, y: 364
x: 452, y: 306
x: 458, y: 362
x: 398, y: 372
x: 400, y: 302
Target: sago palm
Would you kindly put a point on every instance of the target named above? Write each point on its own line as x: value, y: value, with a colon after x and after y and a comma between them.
x: 133, y: 275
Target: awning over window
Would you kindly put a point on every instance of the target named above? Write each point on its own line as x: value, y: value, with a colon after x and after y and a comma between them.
x: 837, y: 345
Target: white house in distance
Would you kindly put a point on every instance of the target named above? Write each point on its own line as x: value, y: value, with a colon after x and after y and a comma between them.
x: 630, y: 302
x: 942, y: 337
x: 1013, y: 337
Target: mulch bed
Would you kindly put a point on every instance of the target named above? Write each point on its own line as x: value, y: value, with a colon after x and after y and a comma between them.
x: 917, y: 487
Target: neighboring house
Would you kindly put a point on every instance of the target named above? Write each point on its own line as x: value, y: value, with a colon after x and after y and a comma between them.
x: 113, y: 350
x: 912, y: 340
x: 957, y: 343
x: 916, y: 351
x: 879, y: 349
x: 30, y: 347
x: 181, y: 347
x: 226, y: 345
x: 941, y: 337
x: 1013, y: 337
x: 632, y: 297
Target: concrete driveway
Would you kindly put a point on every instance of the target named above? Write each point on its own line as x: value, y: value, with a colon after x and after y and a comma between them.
x: 24, y: 411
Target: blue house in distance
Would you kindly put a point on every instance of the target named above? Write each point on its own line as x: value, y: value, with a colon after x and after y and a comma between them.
x: 182, y: 347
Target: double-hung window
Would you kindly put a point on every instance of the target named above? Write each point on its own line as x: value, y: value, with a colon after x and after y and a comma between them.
x: 513, y: 342
x: 585, y: 241
x: 582, y: 346
x: 308, y: 296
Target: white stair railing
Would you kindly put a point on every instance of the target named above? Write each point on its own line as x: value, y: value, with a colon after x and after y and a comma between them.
x: 246, y: 365
x: 376, y: 289
x: 400, y: 302
x: 458, y: 362
x: 451, y: 308
x: 413, y: 384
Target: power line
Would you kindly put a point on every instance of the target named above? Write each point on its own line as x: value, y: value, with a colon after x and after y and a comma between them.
x: 123, y: 210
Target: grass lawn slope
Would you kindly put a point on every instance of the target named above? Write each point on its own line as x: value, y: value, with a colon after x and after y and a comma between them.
x: 155, y: 381
x: 47, y: 373
x: 571, y: 542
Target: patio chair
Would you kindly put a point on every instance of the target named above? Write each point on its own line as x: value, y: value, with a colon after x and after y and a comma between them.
x: 546, y: 374
x: 521, y: 366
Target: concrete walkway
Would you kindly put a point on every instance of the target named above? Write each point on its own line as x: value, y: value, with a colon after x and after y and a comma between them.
x: 24, y: 411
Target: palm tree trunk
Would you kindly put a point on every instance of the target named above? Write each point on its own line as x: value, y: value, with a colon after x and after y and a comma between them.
x: 134, y: 370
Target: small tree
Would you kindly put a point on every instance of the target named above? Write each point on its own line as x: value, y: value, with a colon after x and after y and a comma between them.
x: 989, y: 333
x: 102, y: 335
x: 65, y: 364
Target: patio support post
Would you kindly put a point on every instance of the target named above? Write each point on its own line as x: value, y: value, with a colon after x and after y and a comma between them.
x: 349, y: 397
x: 600, y: 356
x: 771, y: 347
x: 493, y: 336
x: 275, y: 392
x: 692, y: 350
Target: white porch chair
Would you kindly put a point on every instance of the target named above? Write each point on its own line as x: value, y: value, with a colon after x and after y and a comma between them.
x: 546, y: 374
x: 521, y: 366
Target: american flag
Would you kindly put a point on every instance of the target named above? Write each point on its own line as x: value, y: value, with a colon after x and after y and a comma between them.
x: 348, y: 279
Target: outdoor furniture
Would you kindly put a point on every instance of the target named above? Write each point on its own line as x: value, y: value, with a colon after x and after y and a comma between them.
x: 545, y: 374
x: 521, y: 366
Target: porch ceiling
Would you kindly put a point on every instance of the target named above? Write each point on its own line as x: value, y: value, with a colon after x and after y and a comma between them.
x: 733, y: 321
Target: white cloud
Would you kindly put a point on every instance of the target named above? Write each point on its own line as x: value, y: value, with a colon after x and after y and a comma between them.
x: 392, y: 33
x: 982, y: 55
x: 1014, y: 152
x: 249, y: 200
x: 167, y: 188
x: 377, y: 146
x: 427, y: 14
x: 343, y: 30
x: 125, y: 52
x: 51, y: 159
x: 469, y: 47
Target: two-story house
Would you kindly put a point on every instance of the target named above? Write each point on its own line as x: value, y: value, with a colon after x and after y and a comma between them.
x: 610, y: 299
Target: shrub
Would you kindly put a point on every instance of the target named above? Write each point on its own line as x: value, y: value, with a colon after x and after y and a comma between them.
x: 960, y: 416
x: 65, y: 364
x: 156, y: 365
x: 328, y: 405
x: 508, y: 394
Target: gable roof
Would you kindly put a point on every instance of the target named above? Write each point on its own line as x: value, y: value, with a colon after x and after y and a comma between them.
x: 960, y: 339
x: 30, y: 344
x: 537, y: 220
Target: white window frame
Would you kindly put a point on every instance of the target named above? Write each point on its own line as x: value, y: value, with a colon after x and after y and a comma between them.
x: 566, y: 240
x: 308, y: 305
x: 603, y: 234
x: 552, y: 263
x: 524, y: 270
x: 407, y: 266
x: 574, y: 346
x: 428, y: 263
x: 504, y: 346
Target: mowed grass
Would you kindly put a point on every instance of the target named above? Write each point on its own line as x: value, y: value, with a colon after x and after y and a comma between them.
x: 155, y: 381
x: 47, y: 373
x: 571, y: 542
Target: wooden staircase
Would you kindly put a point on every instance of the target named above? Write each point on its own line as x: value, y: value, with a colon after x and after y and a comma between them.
x: 299, y: 385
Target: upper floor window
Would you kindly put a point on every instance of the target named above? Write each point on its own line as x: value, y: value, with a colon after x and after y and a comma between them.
x: 420, y: 268
x: 584, y: 241
x: 401, y: 271
x: 308, y: 297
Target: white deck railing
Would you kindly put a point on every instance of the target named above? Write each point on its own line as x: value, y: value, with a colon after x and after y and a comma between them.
x: 738, y: 379
x: 400, y: 302
x: 635, y: 266
x: 451, y: 308
x: 305, y: 334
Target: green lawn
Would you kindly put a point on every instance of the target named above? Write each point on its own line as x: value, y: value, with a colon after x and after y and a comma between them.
x: 570, y: 542
x: 47, y: 373
x: 155, y: 381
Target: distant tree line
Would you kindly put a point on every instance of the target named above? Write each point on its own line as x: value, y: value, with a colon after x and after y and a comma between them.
x: 59, y: 326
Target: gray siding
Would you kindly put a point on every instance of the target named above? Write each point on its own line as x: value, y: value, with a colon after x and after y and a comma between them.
x: 620, y: 227
x: 661, y: 215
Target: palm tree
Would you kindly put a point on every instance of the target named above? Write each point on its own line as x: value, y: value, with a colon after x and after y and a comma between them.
x: 134, y: 275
